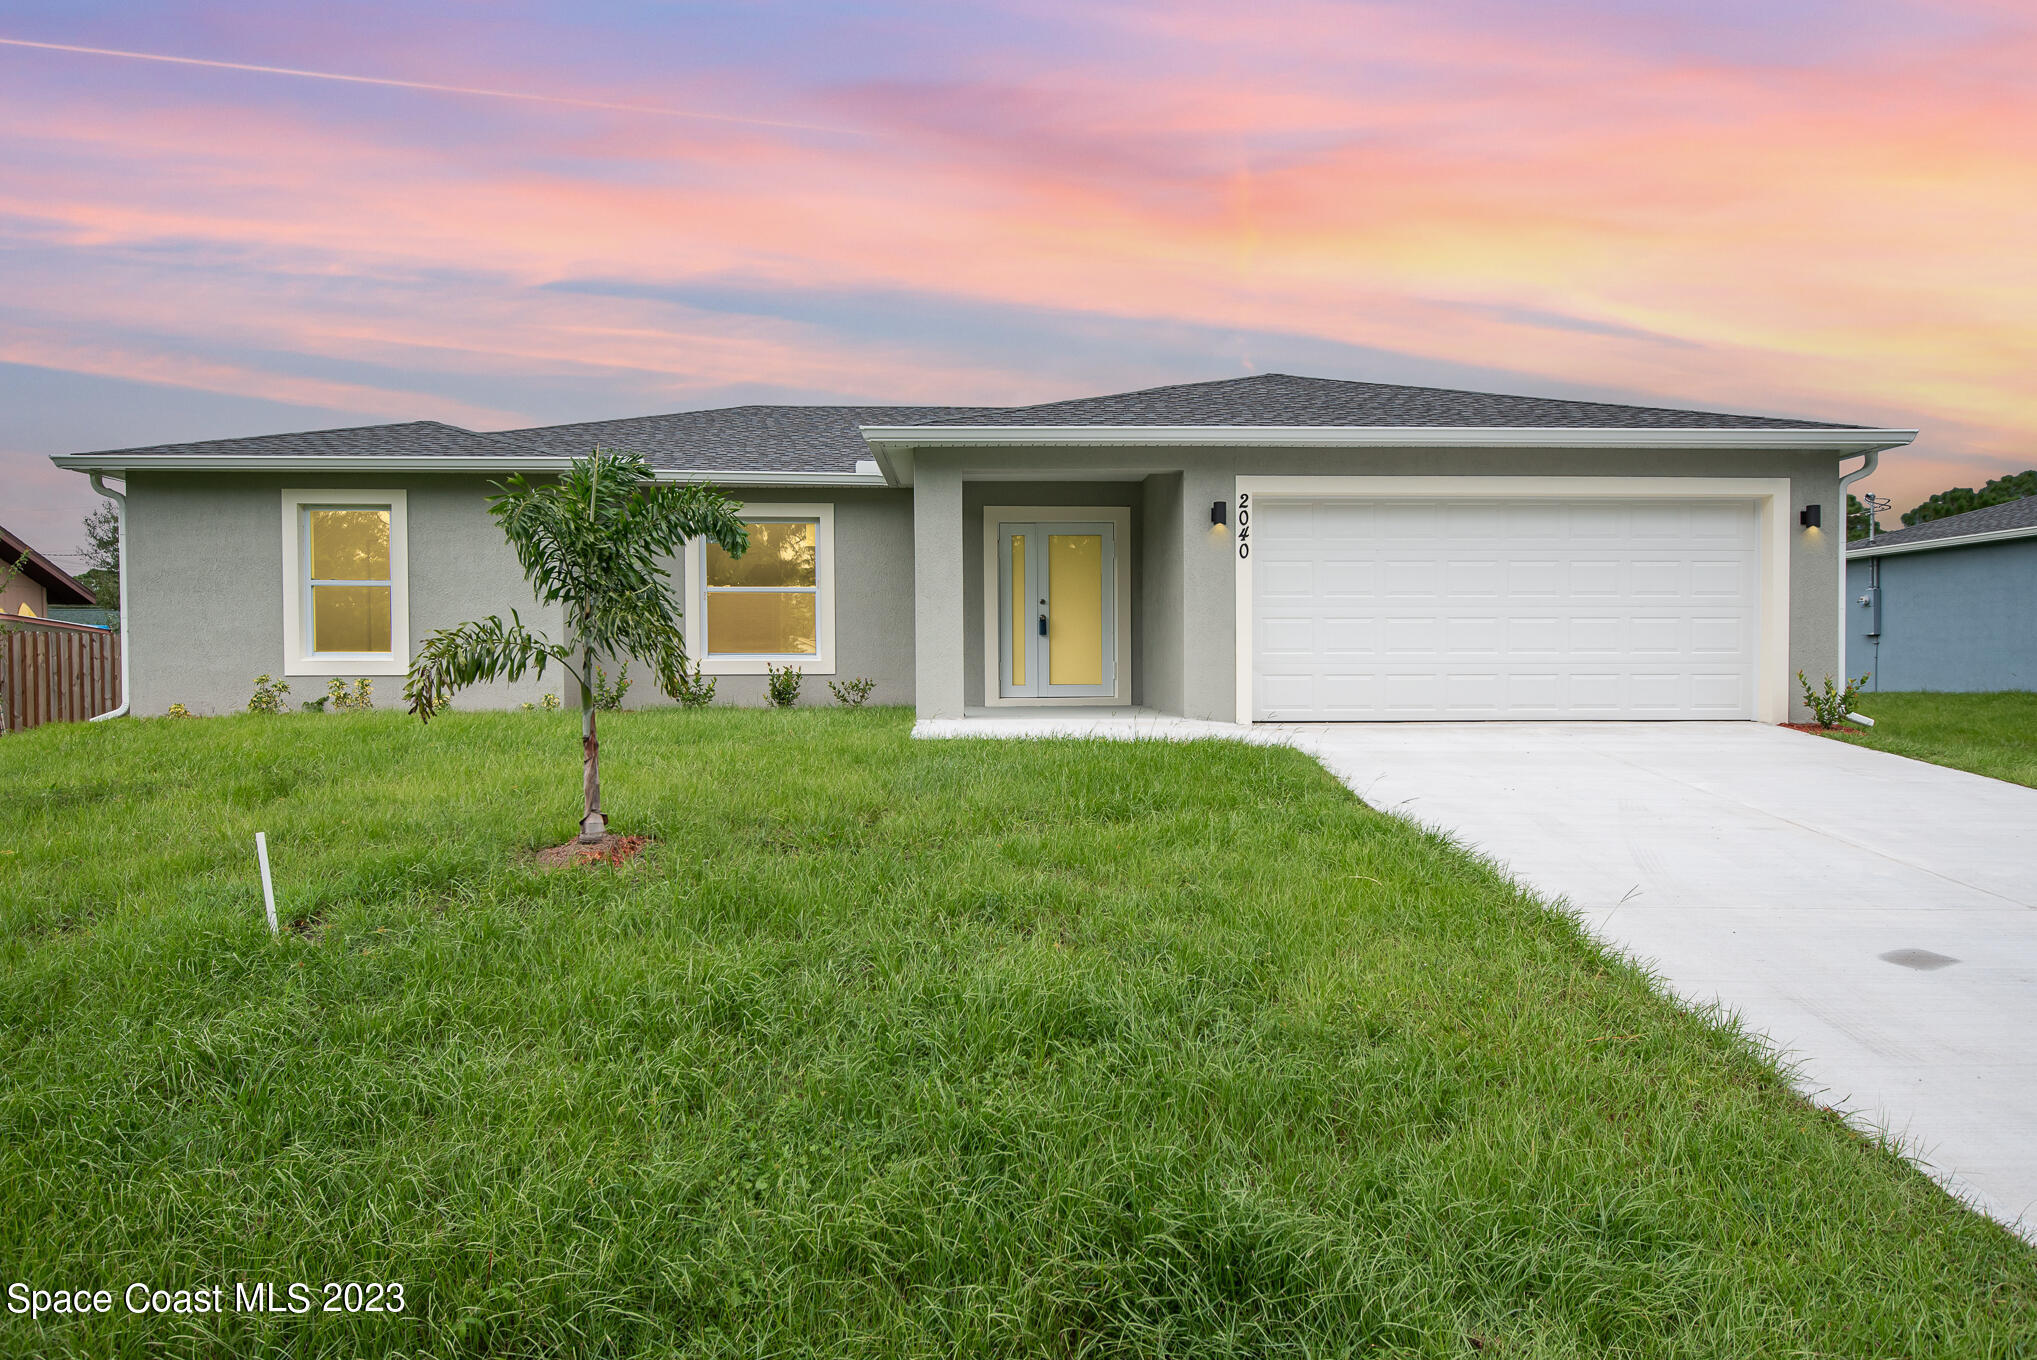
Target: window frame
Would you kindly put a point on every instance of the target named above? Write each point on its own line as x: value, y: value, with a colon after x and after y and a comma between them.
x: 298, y: 658
x: 821, y: 661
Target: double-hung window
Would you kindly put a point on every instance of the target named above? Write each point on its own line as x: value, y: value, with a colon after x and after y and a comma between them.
x: 345, y: 597
x: 774, y: 605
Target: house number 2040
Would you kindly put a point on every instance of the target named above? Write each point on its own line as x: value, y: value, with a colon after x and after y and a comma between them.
x: 1244, y: 524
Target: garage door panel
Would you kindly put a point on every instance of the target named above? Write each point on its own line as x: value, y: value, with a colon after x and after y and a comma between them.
x: 1650, y: 578
x: 1588, y: 523
x: 1718, y: 578
x: 1655, y: 635
x: 1717, y: 634
x: 1473, y: 636
x: 1473, y: 577
x: 1535, y: 578
x: 1286, y: 580
x: 1349, y: 578
x: 1534, y: 693
x: 1485, y: 608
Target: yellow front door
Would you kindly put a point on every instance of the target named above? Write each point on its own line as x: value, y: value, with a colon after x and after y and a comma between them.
x: 1058, y: 610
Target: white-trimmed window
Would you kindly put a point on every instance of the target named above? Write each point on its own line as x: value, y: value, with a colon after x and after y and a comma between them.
x: 346, y: 595
x: 774, y: 605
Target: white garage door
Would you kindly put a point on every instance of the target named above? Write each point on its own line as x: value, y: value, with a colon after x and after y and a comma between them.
x: 1528, y: 608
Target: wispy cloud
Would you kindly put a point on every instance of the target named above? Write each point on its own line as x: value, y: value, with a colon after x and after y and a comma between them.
x: 434, y: 87
x: 1797, y: 207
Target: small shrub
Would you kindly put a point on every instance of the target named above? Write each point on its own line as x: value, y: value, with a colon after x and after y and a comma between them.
x: 607, y: 697
x: 1830, y: 708
x: 268, y: 696
x: 316, y: 705
x: 852, y: 693
x: 782, y: 688
x: 548, y: 702
x: 343, y: 700
x: 178, y: 711
x: 694, y: 690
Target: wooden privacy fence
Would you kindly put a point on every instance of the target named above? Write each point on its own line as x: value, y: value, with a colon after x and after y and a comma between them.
x: 55, y: 672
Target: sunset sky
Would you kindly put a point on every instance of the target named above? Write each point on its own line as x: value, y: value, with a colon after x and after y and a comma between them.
x: 514, y: 213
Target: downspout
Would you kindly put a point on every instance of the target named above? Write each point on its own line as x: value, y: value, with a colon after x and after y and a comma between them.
x: 119, y: 498
x: 1873, y: 456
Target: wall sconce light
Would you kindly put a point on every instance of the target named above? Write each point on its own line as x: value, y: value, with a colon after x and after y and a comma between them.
x: 1216, y: 512
x: 1811, y: 516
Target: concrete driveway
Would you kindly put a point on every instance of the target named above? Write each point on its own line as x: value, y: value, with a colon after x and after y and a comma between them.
x: 1876, y: 917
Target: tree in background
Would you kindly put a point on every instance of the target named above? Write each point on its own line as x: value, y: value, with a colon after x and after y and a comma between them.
x: 1961, y: 499
x: 101, y: 551
x: 591, y: 540
x: 1856, y: 518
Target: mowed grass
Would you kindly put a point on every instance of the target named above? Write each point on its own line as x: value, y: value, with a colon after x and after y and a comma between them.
x: 1990, y: 734
x: 888, y: 1048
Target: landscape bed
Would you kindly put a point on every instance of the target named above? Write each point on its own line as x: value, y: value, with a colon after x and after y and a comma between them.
x: 884, y: 1048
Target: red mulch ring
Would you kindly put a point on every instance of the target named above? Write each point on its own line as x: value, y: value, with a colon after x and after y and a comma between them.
x: 608, y: 850
x: 1813, y: 727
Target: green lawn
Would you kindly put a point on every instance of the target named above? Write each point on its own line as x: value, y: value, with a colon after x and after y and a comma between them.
x: 1990, y: 734
x: 887, y: 1049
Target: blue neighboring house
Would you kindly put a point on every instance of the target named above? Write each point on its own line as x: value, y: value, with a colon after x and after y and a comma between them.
x: 1950, y: 604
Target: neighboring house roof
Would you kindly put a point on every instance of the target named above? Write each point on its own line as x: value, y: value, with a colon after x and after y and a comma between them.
x: 2010, y: 519
x: 1283, y: 399
x: 62, y: 587
x: 833, y: 443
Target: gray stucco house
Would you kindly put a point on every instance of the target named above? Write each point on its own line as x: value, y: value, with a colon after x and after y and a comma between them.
x: 1270, y: 547
x: 1949, y: 604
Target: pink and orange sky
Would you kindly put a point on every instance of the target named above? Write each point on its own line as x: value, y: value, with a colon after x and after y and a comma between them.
x: 535, y: 213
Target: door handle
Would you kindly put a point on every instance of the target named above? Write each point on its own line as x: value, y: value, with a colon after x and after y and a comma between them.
x: 1043, y: 625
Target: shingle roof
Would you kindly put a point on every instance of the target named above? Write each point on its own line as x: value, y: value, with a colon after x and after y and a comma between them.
x: 1989, y: 519
x: 63, y: 588
x: 411, y: 439
x: 738, y: 438
x: 826, y: 438
x: 1283, y: 399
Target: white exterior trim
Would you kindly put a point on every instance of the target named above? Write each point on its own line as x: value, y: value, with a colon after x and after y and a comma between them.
x: 822, y: 662
x: 1391, y: 436
x: 297, y: 660
x: 94, y: 462
x: 1958, y: 541
x: 1120, y: 519
x: 1772, y: 495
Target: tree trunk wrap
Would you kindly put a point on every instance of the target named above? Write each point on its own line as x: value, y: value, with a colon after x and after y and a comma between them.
x: 593, y: 826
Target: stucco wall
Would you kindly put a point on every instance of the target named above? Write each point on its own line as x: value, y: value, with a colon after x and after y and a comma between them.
x: 1158, y: 606
x: 205, y: 583
x: 949, y: 670
x: 1955, y: 619
x: 205, y: 571
x: 873, y: 597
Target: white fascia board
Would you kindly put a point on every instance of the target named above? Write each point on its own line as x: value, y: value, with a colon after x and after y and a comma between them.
x: 773, y: 478
x: 896, y: 439
x: 1961, y: 541
x: 100, y: 462
x: 86, y: 462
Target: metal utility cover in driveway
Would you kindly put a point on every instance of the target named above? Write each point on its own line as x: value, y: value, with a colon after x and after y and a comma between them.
x: 1875, y: 917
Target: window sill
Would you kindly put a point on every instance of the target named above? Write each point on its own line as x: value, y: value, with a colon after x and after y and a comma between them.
x: 757, y: 665
x: 340, y: 665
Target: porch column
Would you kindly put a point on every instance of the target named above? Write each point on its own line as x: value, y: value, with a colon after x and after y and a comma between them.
x: 1210, y: 595
x: 937, y: 590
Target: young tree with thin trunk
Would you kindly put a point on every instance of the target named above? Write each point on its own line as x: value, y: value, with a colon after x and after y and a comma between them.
x: 590, y: 541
